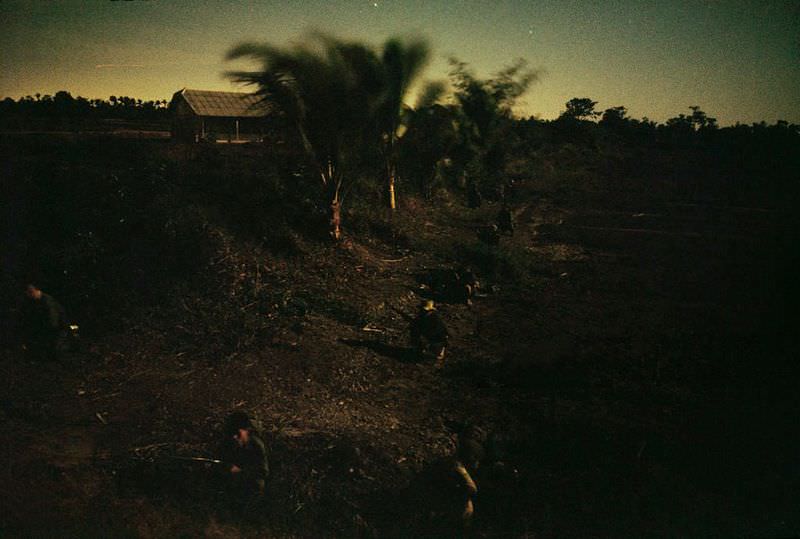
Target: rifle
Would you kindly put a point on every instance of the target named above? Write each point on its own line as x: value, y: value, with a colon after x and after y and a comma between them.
x: 404, y: 316
x: 204, y: 460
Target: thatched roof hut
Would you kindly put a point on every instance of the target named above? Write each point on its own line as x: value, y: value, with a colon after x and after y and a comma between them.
x: 206, y: 115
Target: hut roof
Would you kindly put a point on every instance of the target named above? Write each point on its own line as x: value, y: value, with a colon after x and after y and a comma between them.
x: 224, y: 104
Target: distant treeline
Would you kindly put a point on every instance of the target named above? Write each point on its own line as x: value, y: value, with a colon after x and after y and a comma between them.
x: 471, y: 137
x: 741, y: 157
x: 63, y: 111
x: 688, y: 128
x: 598, y: 150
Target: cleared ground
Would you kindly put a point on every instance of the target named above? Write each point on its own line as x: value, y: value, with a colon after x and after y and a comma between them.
x: 636, y: 362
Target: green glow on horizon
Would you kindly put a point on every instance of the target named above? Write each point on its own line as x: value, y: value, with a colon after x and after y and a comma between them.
x: 737, y: 60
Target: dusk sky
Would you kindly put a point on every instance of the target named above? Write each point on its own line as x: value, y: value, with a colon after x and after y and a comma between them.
x: 739, y: 61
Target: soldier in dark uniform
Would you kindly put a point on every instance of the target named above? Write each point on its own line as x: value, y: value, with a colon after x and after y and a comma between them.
x: 428, y: 333
x: 454, y: 479
x: 505, y: 221
x: 474, y: 197
x: 468, y: 284
x: 245, y: 457
x: 455, y: 286
x: 43, y: 324
x: 492, y: 237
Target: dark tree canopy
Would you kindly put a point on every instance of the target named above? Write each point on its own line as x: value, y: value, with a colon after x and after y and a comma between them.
x: 581, y: 108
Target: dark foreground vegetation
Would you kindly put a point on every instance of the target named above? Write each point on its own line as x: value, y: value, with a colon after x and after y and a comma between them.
x: 633, y: 348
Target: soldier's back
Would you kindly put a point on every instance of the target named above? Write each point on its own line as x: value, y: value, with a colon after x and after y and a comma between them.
x: 433, y: 327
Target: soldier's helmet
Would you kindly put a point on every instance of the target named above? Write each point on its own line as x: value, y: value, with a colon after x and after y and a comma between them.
x: 470, y: 452
x: 237, y: 420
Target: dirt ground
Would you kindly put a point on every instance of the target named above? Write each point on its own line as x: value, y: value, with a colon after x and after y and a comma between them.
x: 636, y: 363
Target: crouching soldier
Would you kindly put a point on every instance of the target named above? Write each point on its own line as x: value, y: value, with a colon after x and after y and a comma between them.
x: 469, y: 455
x: 474, y: 197
x: 456, y: 286
x: 505, y: 221
x: 43, y: 325
x: 429, y: 334
x: 245, y: 457
x: 490, y: 235
x: 468, y: 284
x: 458, y: 484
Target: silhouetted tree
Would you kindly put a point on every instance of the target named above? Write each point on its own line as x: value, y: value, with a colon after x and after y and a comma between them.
x: 614, y: 116
x: 581, y: 108
x: 327, y: 88
x: 700, y: 121
x: 402, y: 63
x: 428, y: 143
x: 485, y: 113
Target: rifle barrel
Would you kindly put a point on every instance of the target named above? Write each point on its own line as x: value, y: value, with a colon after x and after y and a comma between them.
x: 197, y: 459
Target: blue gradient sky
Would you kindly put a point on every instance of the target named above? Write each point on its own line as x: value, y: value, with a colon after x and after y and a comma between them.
x: 737, y: 60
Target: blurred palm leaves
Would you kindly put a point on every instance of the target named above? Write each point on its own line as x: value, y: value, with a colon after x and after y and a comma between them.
x: 342, y: 97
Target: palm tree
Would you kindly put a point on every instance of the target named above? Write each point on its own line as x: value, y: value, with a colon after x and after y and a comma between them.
x: 327, y: 89
x: 402, y: 63
x: 485, y: 108
x: 428, y: 142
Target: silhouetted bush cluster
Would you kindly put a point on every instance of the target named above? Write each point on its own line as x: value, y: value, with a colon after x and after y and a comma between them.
x: 62, y: 111
x: 478, y: 141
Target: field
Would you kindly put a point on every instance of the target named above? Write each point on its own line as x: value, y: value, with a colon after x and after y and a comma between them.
x: 634, y: 351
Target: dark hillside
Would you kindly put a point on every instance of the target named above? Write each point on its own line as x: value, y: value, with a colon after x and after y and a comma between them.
x: 633, y: 346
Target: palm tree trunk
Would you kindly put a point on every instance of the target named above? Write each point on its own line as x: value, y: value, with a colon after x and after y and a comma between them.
x: 335, y: 219
x: 390, y: 179
x: 390, y: 166
x: 333, y: 183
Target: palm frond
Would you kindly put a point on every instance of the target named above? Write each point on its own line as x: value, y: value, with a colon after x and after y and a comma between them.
x: 430, y: 94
